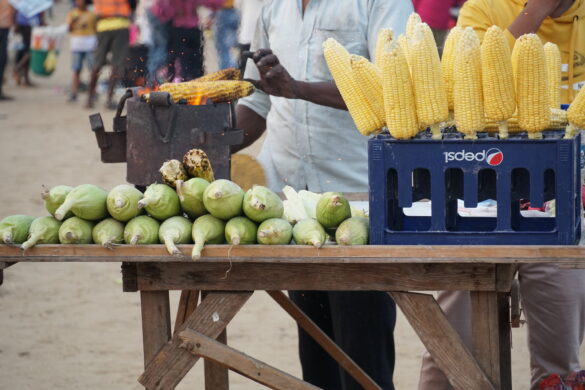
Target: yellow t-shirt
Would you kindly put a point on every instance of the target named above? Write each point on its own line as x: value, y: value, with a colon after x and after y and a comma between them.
x: 482, y: 14
x: 85, y: 22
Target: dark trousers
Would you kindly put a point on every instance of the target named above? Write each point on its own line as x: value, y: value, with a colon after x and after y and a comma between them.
x: 361, y: 323
x: 186, y: 45
x: 3, y: 53
x: 26, y: 33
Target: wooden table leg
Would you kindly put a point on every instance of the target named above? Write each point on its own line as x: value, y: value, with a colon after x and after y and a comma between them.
x: 217, y: 375
x: 491, y: 336
x: 211, y: 317
x: 156, y: 322
x: 442, y: 341
x: 3, y: 265
x: 187, y: 304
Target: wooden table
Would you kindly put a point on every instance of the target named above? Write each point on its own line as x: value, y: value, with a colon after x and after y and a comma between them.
x: 227, y: 277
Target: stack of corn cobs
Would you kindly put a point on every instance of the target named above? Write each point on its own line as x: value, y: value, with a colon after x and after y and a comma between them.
x: 477, y: 87
x: 190, y: 207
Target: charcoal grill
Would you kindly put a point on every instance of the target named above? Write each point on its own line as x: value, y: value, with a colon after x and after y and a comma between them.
x: 159, y: 130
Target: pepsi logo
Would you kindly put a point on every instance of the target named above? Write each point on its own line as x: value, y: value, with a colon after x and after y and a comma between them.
x: 494, y: 157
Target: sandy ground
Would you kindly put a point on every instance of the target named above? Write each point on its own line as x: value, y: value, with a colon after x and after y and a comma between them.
x: 70, y: 326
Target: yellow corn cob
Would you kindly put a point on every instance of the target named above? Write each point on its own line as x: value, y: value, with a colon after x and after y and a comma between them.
x: 339, y: 63
x: 384, y: 35
x: 217, y: 91
x: 403, y: 41
x: 413, y: 20
x: 467, y: 94
x: 399, y: 102
x: 576, y: 114
x: 448, y: 60
x: 369, y: 80
x: 553, y: 71
x: 557, y: 120
x: 497, y: 79
x: 531, y: 84
x: 197, y: 164
x: 429, y: 90
x: 222, y: 74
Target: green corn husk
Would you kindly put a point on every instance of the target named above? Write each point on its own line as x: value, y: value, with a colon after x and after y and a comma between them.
x: 173, y: 231
x: 14, y: 229
x: 240, y: 231
x: 86, y: 202
x: 43, y: 230
x: 353, y: 231
x: 223, y: 199
x: 75, y: 230
x: 122, y: 202
x: 108, y: 233
x: 55, y: 197
x: 207, y: 229
x: 332, y: 209
x: 274, y: 231
x: 160, y: 201
x: 260, y: 204
x: 191, y: 196
x: 142, y: 230
x: 309, y: 232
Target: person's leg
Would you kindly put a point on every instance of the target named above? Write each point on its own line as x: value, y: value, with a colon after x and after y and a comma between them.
x: 457, y: 308
x: 3, y: 58
x: 553, y: 300
x: 318, y: 367
x: 104, y: 41
x: 157, y: 52
x: 26, y: 40
x: 120, y: 45
x: 76, y: 65
x: 363, y: 324
x: 225, y: 29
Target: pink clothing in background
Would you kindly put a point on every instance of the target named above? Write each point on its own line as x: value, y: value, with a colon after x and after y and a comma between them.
x: 182, y: 13
x: 435, y: 13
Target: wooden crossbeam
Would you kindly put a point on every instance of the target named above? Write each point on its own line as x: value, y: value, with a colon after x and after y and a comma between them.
x: 210, y: 318
x: 187, y: 304
x: 324, y: 341
x: 442, y: 341
x: 201, y: 345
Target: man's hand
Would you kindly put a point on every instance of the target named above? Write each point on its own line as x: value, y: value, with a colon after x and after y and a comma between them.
x: 543, y: 8
x: 534, y: 13
x: 274, y: 78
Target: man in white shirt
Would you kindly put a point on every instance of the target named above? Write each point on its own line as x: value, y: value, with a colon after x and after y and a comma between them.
x: 313, y: 143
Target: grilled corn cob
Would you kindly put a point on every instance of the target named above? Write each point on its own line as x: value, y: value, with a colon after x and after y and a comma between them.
x: 197, y: 164
x: 222, y: 74
x: 369, y: 80
x: 447, y: 62
x: 217, y: 91
x: 429, y: 90
x: 339, y: 63
x: 557, y: 120
x: 553, y: 71
x: 171, y: 171
x: 576, y: 114
x: 384, y: 35
x: 497, y: 79
x: 467, y: 94
x: 531, y: 83
x: 399, y: 102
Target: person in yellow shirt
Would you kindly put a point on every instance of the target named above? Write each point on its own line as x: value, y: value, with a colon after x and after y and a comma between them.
x: 553, y: 300
x: 82, y: 23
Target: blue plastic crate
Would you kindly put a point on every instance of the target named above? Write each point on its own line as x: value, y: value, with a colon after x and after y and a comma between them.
x: 443, y: 171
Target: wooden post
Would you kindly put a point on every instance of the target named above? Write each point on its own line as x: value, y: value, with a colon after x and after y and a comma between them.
x: 187, y: 304
x: 3, y: 265
x: 156, y: 322
x: 217, y: 375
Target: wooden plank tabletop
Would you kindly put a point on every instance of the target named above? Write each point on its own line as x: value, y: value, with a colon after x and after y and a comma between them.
x: 569, y: 256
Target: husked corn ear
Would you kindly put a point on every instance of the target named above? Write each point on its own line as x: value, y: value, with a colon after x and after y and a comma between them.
x: 339, y: 63
x: 557, y: 120
x: 448, y: 61
x: 369, y: 79
x: 467, y: 94
x: 218, y: 91
x: 497, y: 78
x: 222, y: 74
x: 576, y: 114
x: 427, y: 78
x: 413, y: 20
x: 552, y: 54
x: 401, y: 119
x: 403, y: 41
x: 385, y: 35
x: 531, y: 84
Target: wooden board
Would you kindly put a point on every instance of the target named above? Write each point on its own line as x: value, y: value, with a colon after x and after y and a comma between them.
x: 201, y: 345
x: 216, y: 374
x: 210, y: 318
x: 309, y: 276
x: 156, y: 322
x: 568, y: 256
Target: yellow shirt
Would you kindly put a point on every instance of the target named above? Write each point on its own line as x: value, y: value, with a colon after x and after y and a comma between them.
x: 563, y: 31
x: 115, y: 23
x: 85, y: 22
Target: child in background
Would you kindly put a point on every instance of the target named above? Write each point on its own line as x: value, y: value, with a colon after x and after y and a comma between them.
x: 82, y: 26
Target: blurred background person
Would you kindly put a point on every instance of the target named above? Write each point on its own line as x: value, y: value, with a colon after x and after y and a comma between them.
x: 6, y: 22
x: 158, y: 38
x: 440, y: 15
x: 82, y: 27
x: 226, y: 22
x: 24, y: 26
x: 249, y: 13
